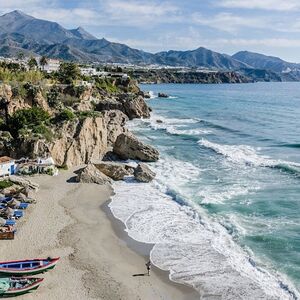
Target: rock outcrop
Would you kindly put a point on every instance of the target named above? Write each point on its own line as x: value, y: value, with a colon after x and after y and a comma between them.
x: 136, y: 107
x: 132, y: 105
x: 78, y: 143
x: 143, y: 173
x: 90, y: 174
x: 116, y: 171
x: 163, y: 95
x: 127, y: 146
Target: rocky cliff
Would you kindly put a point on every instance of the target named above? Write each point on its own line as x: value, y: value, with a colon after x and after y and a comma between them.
x: 73, y: 129
x: 173, y: 76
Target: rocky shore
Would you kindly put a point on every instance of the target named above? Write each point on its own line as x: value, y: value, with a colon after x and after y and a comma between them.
x: 89, y: 126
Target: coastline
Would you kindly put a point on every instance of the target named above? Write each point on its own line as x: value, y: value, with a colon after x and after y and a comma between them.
x: 98, y: 258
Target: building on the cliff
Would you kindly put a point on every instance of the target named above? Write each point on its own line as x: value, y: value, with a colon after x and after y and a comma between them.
x: 52, y: 65
x: 7, y: 166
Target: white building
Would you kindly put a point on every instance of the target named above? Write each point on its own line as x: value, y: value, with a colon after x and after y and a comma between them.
x: 52, y: 65
x: 7, y: 166
x: 88, y: 71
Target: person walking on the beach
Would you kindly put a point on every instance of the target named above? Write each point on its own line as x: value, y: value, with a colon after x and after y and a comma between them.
x: 148, y: 265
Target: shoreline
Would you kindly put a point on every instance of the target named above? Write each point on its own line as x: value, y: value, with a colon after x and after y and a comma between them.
x: 98, y: 258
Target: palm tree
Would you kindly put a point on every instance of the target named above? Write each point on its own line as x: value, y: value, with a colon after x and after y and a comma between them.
x: 32, y: 63
x: 43, y: 62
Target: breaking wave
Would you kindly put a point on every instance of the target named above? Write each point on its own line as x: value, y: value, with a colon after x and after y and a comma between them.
x: 247, y: 155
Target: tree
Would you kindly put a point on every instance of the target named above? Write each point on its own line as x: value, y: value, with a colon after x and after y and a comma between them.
x: 43, y: 62
x: 68, y: 72
x: 32, y: 63
x: 21, y: 56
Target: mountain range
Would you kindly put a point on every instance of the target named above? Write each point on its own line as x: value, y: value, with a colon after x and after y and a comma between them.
x: 20, y: 32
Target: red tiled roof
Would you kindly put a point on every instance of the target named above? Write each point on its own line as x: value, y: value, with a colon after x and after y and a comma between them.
x: 5, y: 159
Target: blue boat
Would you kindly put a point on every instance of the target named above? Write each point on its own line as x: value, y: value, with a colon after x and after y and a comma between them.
x: 27, y: 267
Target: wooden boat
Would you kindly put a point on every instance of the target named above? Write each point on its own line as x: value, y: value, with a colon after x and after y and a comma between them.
x: 27, y: 267
x: 7, y: 233
x: 11, y: 287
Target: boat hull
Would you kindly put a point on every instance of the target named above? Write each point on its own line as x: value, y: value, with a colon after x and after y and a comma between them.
x: 22, y: 291
x: 4, y: 271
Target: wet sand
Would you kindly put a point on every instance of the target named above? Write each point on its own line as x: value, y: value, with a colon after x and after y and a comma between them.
x: 98, y: 259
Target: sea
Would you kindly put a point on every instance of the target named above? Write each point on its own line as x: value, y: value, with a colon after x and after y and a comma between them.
x: 223, y: 213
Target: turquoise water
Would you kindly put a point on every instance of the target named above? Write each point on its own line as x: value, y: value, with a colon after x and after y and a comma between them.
x: 247, y: 139
x: 230, y: 157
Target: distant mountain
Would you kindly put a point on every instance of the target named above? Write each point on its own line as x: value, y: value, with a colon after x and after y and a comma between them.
x: 260, y: 61
x: 82, y: 34
x: 200, y: 57
x: 20, y: 32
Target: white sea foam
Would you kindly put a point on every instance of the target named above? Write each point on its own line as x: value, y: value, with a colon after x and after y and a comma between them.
x: 196, y: 251
x: 247, y: 155
x: 152, y: 95
x: 175, y: 126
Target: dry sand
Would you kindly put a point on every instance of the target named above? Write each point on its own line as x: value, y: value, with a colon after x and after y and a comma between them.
x: 98, y: 259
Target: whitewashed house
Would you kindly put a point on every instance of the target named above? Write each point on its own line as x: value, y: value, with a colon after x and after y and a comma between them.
x: 52, y: 65
x: 7, y: 166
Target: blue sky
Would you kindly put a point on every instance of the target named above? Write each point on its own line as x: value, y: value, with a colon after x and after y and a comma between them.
x: 267, y: 26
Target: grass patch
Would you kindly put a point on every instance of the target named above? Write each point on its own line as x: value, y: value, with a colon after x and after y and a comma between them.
x: 5, y: 184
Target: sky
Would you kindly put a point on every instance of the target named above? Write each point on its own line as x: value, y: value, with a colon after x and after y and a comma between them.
x: 271, y: 27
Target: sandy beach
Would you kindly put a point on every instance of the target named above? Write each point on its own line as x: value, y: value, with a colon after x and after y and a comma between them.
x: 98, y: 259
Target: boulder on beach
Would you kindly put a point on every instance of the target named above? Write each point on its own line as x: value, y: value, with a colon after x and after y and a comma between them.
x: 127, y: 146
x: 90, y: 174
x: 143, y: 173
x: 163, y: 95
x: 114, y: 170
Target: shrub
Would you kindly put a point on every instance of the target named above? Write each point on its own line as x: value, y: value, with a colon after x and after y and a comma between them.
x: 5, y: 184
x: 87, y: 114
x: 65, y: 115
x: 107, y: 84
x: 27, y: 119
x: 53, y: 98
x: 68, y: 100
x: 68, y: 72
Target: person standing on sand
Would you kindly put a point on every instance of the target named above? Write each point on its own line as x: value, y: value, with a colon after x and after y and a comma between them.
x: 148, y: 265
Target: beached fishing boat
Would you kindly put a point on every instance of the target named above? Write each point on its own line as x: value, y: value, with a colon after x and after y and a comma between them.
x: 11, y: 287
x: 27, y: 267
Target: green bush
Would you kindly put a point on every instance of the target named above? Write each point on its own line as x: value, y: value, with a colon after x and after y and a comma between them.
x: 53, y: 97
x: 29, y: 118
x: 68, y: 100
x: 68, y: 72
x: 107, y: 84
x: 87, y: 114
x: 65, y: 115
x: 5, y: 184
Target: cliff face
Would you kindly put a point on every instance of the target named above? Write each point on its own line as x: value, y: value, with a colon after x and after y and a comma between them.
x: 78, y: 142
x: 170, y: 76
x: 87, y: 135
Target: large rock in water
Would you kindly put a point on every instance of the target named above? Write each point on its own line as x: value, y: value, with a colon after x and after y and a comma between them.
x: 127, y: 146
x: 90, y: 174
x: 116, y: 171
x: 143, y: 173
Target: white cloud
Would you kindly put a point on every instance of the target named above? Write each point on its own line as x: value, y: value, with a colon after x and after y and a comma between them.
x: 279, y: 5
x: 141, y: 12
x: 269, y: 42
x: 229, y: 22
